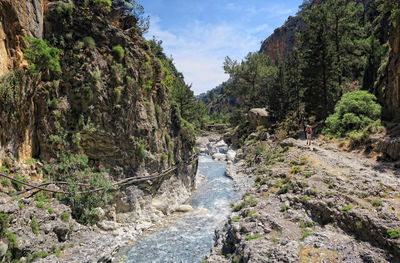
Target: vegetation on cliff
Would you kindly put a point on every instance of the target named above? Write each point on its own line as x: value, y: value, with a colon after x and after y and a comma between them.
x: 97, y: 95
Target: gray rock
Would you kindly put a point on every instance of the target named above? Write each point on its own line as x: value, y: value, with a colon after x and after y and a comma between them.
x: 184, y: 208
x: 258, y: 117
x: 231, y: 155
x: 9, y: 208
x: 107, y: 225
x: 3, y: 249
x: 221, y: 143
x: 219, y: 156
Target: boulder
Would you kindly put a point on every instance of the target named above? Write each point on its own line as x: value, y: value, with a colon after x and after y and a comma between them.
x: 212, y: 149
x: 219, y: 156
x: 288, y: 142
x: 202, y: 142
x: 184, y: 208
x: 258, y: 117
x: 3, y: 249
x: 160, y: 204
x: 390, y: 147
x: 107, y: 225
x: 221, y: 143
x: 231, y: 155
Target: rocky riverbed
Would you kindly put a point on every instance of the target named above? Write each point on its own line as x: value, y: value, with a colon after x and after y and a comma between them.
x: 311, y: 204
x: 44, y: 230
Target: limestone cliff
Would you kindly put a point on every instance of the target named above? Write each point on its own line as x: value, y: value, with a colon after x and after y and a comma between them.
x: 115, y: 104
x: 281, y: 42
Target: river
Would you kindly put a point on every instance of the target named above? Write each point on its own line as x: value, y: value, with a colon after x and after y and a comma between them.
x: 190, y: 237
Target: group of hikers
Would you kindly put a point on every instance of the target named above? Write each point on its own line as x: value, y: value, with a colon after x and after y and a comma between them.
x: 306, y: 127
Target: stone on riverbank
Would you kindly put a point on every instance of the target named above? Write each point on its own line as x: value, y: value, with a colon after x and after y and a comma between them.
x: 184, y: 208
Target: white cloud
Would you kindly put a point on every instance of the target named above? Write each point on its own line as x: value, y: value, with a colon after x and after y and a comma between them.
x: 199, y: 49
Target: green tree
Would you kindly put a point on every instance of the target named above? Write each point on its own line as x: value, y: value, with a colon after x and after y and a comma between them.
x: 333, y: 51
x: 41, y: 56
x: 251, y: 80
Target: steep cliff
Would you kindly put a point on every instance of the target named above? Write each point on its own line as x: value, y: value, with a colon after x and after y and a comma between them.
x: 111, y: 95
x: 282, y: 41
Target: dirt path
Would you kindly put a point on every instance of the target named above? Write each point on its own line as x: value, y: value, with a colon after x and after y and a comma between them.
x: 313, y: 204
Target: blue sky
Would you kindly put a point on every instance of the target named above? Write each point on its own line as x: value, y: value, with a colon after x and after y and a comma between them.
x: 200, y: 34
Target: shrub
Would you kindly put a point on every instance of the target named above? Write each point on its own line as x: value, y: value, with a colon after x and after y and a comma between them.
x: 347, y: 208
x: 295, y: 170
x: 103, y: 6
x: 64, y: 9
x: 5, y: 182
x: 354, y: 112
x: 117, y: 95
x: 119, y: 52
x: 393, y: 233
x: 65, y: 216
x: 251, y: 237
x: 50, y: 209
x: 7, y: 162
x: 40, y: 204
x: 41, y: 57
x: 307, y: 174
x: 4, y: 221
x: 235, y: 219
x: 74, y: 169
x: 376, y: 202
x: 284, y: 189
x: 306, y: 233
x: 35, y: 226
x: 142, y: 152
x: 18, y: 185
x: 89, y: 42
x: 12, y: 239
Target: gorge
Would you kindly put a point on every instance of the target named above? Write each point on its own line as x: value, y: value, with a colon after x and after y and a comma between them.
x: 106, y: 154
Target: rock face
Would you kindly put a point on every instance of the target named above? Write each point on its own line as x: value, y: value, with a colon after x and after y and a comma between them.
x: 19, y: 18
x: 281, y: 42
x: 258, y: 117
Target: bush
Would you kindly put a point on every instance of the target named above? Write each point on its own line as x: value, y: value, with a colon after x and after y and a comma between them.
x: 393, y: 233
x: 89, y: 42
x: 65, y: 216
x: 117, y: 95
x: 4, y: 221
x: 81, y: 178
x: 103, y: 6
x: 142, y: 152
x: 41, y: 57
x: 5, y: 182
x: 251, y: 237
x: 355, y: 111
x: 64, y: 9
x: 35, y: 226
x: 18, y: 185
x: 119, y: 52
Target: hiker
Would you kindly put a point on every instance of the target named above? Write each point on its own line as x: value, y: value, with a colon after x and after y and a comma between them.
x: 305, y: 126
x: 308, y: 133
